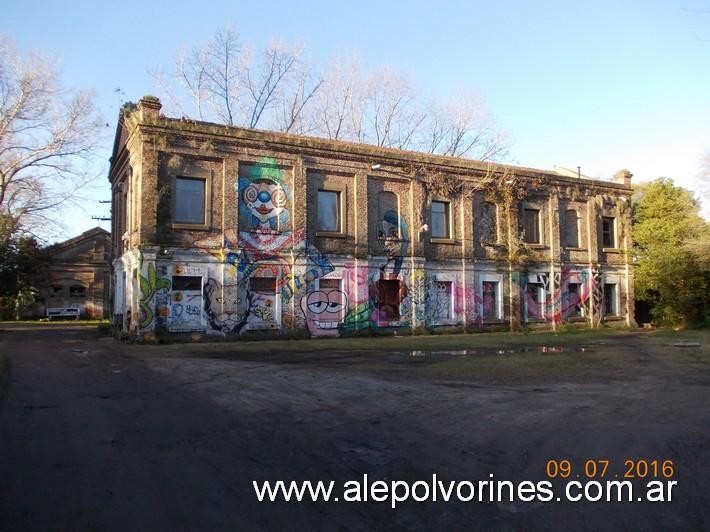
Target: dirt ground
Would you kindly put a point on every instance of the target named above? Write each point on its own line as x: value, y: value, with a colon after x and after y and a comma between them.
x: 95, y: 434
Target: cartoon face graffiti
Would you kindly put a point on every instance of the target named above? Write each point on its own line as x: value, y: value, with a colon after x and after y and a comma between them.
x: 324, y: 311
x: 226, y: 309
x: 265, y: 201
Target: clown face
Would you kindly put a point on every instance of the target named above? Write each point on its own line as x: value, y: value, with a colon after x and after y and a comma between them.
x: 265, y: 201
x: 324, y: 311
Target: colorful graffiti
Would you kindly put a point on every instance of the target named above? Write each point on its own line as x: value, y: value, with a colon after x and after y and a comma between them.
x: 597, y: 296
x: 566, y: 294
x: 150, y: 285
x: 324, y: 311
x: 225, y: 308
x: 393, y: 236
x: 269, y: 275
x: 318, y: 266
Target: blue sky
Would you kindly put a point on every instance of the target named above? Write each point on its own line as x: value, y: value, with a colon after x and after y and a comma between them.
x: 604, y: 85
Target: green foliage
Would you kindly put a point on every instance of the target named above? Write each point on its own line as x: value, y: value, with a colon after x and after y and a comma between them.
x: 669, y: 274
x: 23, y: 267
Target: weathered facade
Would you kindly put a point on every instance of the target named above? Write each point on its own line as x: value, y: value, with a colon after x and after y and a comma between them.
x: 78, y: 277
x: 230, y: 232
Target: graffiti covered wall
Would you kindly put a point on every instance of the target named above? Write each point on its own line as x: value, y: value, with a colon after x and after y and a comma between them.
x: 266, y: 275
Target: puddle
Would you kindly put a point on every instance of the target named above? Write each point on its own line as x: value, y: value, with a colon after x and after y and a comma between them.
x: 684, y: 343
x: 493, y: 351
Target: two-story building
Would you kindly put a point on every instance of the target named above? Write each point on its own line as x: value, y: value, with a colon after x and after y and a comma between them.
x: 228, y: 231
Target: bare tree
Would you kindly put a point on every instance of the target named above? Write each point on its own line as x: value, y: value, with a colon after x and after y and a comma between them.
x: 338, y: 108
x: 266, y: 77
x: 223, y: 60
x: 393, y: 110
x: 47, y: 135
x: 296, y: 100
x: 276, y: 89
x: 227, y: 82
x: 463, y: 127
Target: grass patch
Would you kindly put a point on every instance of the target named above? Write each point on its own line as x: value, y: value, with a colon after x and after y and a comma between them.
x: 386, y: 344
x: 58, y: 322
x: 575, y: 356
x: 594, y: 364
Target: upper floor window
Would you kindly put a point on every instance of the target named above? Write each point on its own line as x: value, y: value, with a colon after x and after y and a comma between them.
x: 189, y: 200
x: 608, y: 232
x: 531, y: 226
x: 571, y: 229
x: 329, y: 211
x: 388, y: 216
x: 440, y: 219
x: 489, y: 222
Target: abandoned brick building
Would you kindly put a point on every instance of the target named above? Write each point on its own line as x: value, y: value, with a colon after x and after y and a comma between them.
x: 228, y: 231
x: 78, y: 277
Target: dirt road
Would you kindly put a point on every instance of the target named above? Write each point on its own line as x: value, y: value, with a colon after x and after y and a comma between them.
x: 97, y: 435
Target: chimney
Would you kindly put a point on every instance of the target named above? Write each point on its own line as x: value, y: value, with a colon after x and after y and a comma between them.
x: 623, y: 177
x: 149, y: 108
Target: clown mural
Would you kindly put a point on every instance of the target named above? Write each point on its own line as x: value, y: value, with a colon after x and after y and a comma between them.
x: 265, y: 201
x: 264, y: 197
x: 263, y: 208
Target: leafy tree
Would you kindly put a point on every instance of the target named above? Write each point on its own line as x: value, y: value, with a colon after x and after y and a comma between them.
x: 23, y: 268
x: 704, y: 176
x: 670, y: 274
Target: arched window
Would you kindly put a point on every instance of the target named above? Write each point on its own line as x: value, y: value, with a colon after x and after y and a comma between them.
x: 571, y: 229
x: 388, y: 223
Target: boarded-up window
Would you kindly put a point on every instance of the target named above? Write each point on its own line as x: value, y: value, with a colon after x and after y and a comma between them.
x: 489, y: 222
x: 535, y: 301
x: 329, y: 211
x: 531, y: 226
x: 571, y: 229
x: 490, y: 300
x: 189, y: 200
x: 263, y: 285
x: 186, y: 282
x: 443, y: 299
